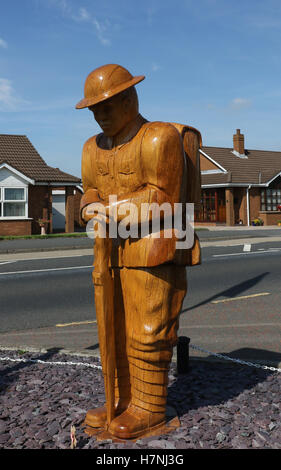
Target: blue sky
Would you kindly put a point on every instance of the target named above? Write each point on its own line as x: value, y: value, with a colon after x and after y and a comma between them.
x: 212, y: 64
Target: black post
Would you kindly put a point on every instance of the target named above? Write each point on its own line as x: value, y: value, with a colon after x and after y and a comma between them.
x: 183, y: 355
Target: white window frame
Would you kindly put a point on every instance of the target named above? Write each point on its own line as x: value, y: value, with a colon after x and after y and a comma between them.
x: 3, y: 200
x: 267, y: 199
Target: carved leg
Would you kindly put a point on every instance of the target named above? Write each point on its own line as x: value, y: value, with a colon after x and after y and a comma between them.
x: 153, y: 300
x: 96, y: 417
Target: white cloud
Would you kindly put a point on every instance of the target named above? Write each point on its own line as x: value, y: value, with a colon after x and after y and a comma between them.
x: 100, y: 28
x: 8, y: 99
x: 3, y: 44
x: 155, y: 67
x: 83, y: 15
x: 238, y: 103
x: 11, y: 102
x: 100, y: 31
x: 61, y: 4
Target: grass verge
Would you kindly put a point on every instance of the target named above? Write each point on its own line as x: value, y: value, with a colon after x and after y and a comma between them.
x: 51, y: 235
x: 58, y: 235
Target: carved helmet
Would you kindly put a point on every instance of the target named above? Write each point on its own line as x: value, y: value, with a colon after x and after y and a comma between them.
x: 105, y: 82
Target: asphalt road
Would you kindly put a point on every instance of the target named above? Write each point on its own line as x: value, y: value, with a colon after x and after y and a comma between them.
x: 232, y: 306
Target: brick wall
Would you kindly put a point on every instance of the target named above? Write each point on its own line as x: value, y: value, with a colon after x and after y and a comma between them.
x: 270, y: 217
x: 69, y: 209
x: 39, y: 206
x: 229, y: 206
x: 77, y: 199
x: 206, y: 164
x: 240, y: 205
x: 15, y: 227
x: 255, y: 203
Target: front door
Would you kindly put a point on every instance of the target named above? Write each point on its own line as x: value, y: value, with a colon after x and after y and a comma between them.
x: 212, y: 206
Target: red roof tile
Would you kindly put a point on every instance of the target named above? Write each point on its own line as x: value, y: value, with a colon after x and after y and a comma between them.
x: 18, y: 152
x: 259, y: 167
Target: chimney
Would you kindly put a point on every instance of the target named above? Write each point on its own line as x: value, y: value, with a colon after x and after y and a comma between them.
x: 238, y: 142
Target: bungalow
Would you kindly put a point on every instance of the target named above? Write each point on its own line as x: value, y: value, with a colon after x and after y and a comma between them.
x: 239, y: 185
x: 28, y: 187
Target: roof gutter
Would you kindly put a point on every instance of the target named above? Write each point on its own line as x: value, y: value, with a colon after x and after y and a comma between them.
x: 241, y: 185
x: 236, y: 185
x: 57, y: 183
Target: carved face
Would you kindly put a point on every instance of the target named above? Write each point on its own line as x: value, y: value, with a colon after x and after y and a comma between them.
x: 114, y: 114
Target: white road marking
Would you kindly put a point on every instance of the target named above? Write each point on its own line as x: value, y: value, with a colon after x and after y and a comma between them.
x: 46, y: 332
x: 251, y: 240
x: 242, y: 253
x: 76, y: 323
x: 240, y: 298
x: 237, y: 325
x: 45, y: 270
x: 248, y: 252
x: 6, y: 262
x: 54, y: 254
x: 50, y: 257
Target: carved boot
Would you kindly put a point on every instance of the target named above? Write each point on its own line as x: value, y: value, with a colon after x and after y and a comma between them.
x: 147, y: 409
x: 97, y: 417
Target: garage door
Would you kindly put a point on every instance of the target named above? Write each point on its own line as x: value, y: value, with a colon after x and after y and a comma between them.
x: 58, y: 211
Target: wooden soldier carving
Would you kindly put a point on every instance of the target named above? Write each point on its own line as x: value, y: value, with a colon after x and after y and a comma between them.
x: 140, y: 162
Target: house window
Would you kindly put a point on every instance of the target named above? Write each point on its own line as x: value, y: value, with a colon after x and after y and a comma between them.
x: 270, y: 199
x: 13, y: 202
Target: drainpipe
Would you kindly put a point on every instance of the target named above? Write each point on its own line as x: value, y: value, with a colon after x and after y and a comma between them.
x: 248, y: 205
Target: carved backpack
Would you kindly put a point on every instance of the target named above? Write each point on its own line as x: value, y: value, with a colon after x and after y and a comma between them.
x: 192, y: 142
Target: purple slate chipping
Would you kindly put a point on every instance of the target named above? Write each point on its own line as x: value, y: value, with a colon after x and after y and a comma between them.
x: 249, y: 417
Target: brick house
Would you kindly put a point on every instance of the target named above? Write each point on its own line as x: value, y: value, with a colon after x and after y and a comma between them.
x: 239, y: 185
x: 27, y: 189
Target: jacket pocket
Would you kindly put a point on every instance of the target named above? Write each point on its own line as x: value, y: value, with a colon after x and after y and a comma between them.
x: 102, y: 168
x: 125, y: 169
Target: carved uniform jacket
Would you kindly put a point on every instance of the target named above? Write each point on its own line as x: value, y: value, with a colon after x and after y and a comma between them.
x: 149, y: 168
